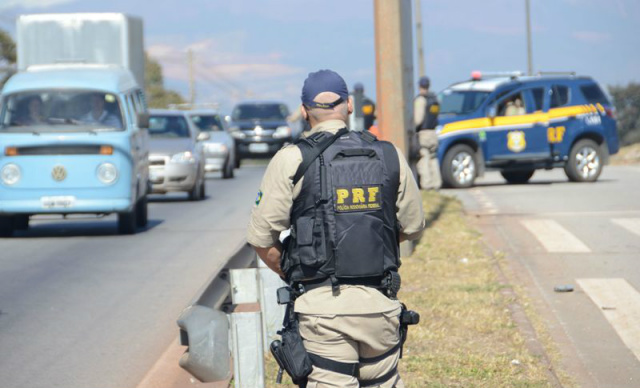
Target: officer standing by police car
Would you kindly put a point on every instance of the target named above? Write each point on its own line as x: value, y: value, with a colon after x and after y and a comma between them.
x: 425, y: 117
x: 348, y: 200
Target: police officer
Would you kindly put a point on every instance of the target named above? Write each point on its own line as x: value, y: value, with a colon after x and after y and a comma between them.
x: 425, y: 115
x: 364, y: 110
x: 348, y: 210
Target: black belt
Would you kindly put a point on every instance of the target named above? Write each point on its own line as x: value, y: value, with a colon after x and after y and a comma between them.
x: 306, y: 286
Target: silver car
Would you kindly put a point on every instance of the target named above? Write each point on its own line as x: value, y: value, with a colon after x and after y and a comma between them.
x: 176, y: 162
x: 217, y: 144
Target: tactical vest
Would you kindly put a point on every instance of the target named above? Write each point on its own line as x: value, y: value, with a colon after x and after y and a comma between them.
x: 343, y: 223
x: 432, y: 110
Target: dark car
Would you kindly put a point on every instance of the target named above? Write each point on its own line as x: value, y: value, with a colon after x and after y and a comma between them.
x: 259, y: 128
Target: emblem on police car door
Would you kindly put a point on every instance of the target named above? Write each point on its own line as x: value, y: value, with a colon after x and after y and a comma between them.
x: 59, y: 173
x: 516, y: 141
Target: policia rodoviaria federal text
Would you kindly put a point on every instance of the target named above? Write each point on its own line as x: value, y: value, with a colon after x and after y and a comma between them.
x: 348, y: 200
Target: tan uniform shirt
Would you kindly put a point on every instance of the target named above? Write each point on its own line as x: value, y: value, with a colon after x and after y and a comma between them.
x: 419, y: 109
x: 272, y: 212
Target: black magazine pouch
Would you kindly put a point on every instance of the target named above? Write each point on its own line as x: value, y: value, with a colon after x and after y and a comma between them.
x: 356, y: 182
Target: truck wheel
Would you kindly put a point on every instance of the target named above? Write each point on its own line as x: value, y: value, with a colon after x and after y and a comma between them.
x: 459, y: 167
x: 584, y: 164
x: 237, y: 162
x: 6, y: 226
x: 21, y: 222
x: 517, y: 177
x: 127, y: 222
x: 142, y: 212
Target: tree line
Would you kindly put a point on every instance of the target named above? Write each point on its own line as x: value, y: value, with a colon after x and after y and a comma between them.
x: 157, y: 95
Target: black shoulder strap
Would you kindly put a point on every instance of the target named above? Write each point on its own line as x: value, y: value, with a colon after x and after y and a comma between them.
x: 312, y: 147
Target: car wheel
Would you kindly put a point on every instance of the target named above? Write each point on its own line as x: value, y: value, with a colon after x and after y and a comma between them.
x: 21, y: 222
x: 227, y: 171
x: 194, y: 194
x: 203, y: 189
x: 585, y: 162
x: 6, y: 226
x: 517, y: 177
x: 127, y: 222
x: 459, y: 167
x: 237, y: 162
x: 142, y: 212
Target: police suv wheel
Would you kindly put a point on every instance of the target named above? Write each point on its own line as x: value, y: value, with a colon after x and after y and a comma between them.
x: 459, y: 167
x: 585, y: 162
x: 517, y: 177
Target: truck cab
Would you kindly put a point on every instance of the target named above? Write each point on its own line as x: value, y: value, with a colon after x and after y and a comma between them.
x: 516, y: 125
x: 73, y: 140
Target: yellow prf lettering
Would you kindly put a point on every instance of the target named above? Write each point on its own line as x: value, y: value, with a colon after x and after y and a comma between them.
x: 373, y: 192
x: 358, y: 195
x: 342, y: 194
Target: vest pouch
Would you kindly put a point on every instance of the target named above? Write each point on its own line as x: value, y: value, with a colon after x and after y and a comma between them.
x: 308, y: 235
x: 360, y: 245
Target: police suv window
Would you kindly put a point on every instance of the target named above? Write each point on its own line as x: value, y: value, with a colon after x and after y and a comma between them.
x: 593, y: 94
x: 559, y: 95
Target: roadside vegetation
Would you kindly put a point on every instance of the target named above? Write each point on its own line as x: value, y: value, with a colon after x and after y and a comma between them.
x: 467, y: 336
x: 627, y: 155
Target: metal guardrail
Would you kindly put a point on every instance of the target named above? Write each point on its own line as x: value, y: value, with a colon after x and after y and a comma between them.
x: 204, y: 325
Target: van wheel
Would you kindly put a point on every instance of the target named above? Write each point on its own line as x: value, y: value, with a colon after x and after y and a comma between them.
x: 585, y: 162
x: 6, y: 226
x: 127, y: 222
x: 517, y: 177
x: 142, y: 212
x: 459, y: 167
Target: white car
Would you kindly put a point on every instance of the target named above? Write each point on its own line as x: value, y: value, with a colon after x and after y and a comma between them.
x: 217, y: 144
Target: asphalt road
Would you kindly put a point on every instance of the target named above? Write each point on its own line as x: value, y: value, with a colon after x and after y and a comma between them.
x: 83, y: 307
x: 587, y: 236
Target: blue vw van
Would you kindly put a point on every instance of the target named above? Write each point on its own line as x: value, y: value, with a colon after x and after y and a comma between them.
x: 517, y: 124
x: 73, y: 140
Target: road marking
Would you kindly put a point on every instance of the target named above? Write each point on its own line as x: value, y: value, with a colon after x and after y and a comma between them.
x: 620, y: 304
x: 554, y: 237
x: 631, y: 224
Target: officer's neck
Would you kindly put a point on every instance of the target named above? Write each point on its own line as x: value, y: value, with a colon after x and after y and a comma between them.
x: 332, y: 126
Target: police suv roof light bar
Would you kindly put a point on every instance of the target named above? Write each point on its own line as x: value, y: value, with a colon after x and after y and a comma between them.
x: 570, y: 73
x: 477, y: 75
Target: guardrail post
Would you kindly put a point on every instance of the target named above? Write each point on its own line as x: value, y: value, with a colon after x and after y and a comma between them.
x: 272, y: 312
x: 247, y: 329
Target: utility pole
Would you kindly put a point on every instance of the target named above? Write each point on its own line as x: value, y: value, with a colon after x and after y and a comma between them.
x: 394, y: 69
x: 529, y: 55
x: 192, y: 81
x: 419, y: 46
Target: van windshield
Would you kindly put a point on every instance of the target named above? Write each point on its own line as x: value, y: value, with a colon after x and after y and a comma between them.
x: 457, y: 102
x: 60, y: 111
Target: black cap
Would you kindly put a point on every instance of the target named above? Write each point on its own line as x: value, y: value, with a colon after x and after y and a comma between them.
x: 323, y: 81
x: 424, y: 82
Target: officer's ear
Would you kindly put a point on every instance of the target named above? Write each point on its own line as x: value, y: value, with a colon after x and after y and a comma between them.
x: 350, y: 104
x: 305, y: 114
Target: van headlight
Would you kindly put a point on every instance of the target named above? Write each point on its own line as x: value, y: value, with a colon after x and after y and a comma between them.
x: 281, y: 132
x: 107, y: 173
x: 183, y: 157
x: 10, y: 174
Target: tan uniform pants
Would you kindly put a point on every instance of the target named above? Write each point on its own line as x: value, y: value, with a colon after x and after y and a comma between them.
x: 427, y: 166
x: 346, y: 338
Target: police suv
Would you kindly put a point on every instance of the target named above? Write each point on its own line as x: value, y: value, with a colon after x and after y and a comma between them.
x: 517, y: 124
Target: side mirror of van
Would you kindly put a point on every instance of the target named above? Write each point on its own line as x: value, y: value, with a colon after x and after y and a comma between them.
x: 203, y: 136
x: 143, y: 120
x: 492, y: 112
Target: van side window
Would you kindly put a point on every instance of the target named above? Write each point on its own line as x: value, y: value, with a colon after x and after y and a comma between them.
x: 538, y: 98
x: 130, y: 109
x: 143, y: 101
x: 559, y: 95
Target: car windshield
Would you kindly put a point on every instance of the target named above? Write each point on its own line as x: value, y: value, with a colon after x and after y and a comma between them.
x: 260, y: 112
x: 60, y: 111
x: 168, y: 126
x: 207, y: 123
x: 460, y: 102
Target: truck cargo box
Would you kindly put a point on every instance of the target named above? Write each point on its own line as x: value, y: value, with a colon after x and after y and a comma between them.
x: 91, y: 38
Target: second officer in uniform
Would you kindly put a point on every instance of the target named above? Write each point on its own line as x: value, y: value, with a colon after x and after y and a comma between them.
x: 349, y: 200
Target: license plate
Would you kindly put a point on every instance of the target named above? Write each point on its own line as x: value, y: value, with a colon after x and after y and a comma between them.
x: 258, y: 148
x: 58, y: 202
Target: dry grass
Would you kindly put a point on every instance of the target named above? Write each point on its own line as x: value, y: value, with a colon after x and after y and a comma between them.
x: 466, y: 337
x: 627, y: 155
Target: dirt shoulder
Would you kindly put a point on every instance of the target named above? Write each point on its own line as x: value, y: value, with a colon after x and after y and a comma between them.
x: 627, y: 155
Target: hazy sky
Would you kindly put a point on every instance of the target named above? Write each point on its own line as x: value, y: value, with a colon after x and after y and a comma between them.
x: 263, y: 49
